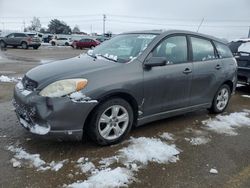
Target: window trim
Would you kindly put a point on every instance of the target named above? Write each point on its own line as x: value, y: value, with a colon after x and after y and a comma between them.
x: 165, y: 38
x: 203, y: 38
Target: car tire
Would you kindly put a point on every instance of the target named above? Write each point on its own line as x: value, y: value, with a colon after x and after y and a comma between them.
x: 2, y: 44
x: 53, y: 43
x: 110, y: 122
x: 221, y: 99
x: 35, y: 47
x: 24, y: 45
x: 66, y: 44
x: 92, y: 47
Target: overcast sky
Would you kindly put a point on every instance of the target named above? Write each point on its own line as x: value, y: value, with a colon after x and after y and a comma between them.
x: 222, y: 18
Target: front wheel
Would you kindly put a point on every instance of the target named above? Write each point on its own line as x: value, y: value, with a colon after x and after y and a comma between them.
x: 24, y: 45
x: 111, y: 122
x: 221, y: 99
x: 2, y: 44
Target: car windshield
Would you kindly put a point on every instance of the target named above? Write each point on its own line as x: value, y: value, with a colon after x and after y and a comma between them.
x: 123, y: 48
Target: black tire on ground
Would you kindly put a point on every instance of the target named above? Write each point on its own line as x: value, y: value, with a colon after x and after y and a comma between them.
x: 93, y: 128
x: 91, y: 47
x: 214, y: 108
x: 35, y: 47
x: 24, y: 45
x: 2, y: 44
x: 53, y: 43
x: 66, y: 44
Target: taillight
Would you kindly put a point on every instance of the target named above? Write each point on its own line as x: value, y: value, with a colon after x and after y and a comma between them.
x: 29, y: 39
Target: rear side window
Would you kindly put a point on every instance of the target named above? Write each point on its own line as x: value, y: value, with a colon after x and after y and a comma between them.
x: 20, y: 35
x: 203, y: 50
x: 173, y: 48
x: 223, y: 50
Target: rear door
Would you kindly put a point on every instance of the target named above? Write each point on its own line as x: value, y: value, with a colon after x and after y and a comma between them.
x: 19, y: 38
x: 207, y: 71
x: 167, y: 87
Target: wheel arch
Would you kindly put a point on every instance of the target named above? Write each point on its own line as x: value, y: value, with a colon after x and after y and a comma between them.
x: 118, y: 94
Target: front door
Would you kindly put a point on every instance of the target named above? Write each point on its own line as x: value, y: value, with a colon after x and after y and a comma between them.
x: 168, y: 87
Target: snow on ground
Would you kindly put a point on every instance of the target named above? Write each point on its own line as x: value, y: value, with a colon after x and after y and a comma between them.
x: 198, y: 140
x: 118, y: 177
x: 137, y: 154
x: 85, y: 165
x: 213, y: 171
x: 167, y: 136
x: 227, y: 124
x: 23, y: 158
x: 9, y: 79
x: 246, y: 96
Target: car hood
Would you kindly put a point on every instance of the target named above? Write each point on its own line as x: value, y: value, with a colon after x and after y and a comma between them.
x: 70, y: 68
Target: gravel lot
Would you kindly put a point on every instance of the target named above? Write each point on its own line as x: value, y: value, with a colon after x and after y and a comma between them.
x: 202, y: 156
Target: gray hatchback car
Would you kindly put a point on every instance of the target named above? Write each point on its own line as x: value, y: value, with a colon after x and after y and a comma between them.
x: 132, y: 79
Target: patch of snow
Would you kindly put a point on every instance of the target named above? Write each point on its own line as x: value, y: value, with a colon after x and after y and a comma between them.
x: 198, y: 140
x: 22, y: 157
x: 55, y: 166
x: 144, y: 150
x: 246, y: 96
x: 9, y: 79
x: 118, y: 177
x: 33, y: 159
x: 137, y: 154
x: 86, y: 167
x: 3, y: 136
x: 36, y: 129
x: 167, y: 136
x: 80, y: 97
x: 227, y: 124
x: 213, y: 171
x: 15, y: 163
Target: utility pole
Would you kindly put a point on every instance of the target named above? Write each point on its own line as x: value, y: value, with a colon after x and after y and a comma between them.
x: 104, y: 20
x: 24, y: 26
x: 249, y: 32
x: 200, y: 25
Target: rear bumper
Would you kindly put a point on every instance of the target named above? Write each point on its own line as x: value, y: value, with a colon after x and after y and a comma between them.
x: 54, y: 117
x: 244, y: 75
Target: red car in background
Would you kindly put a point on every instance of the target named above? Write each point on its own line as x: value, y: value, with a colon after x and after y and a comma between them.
x: 85, y: 43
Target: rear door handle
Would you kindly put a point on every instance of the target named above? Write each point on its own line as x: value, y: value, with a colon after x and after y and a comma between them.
x: 218, y: 67
x: 187, y: 71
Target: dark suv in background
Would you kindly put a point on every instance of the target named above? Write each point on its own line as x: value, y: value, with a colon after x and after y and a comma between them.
x: 20, y: 39
x: 241, y: 51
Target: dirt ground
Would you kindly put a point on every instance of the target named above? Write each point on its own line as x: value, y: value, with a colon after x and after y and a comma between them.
x: 230, y: 155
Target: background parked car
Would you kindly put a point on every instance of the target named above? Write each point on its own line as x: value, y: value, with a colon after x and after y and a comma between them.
x: 20, y: 39
x: 241, y: 51
x: 85, y: 43
x: 61, y: 42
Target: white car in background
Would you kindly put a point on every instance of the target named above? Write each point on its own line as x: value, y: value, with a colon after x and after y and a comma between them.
x: 61, y: 41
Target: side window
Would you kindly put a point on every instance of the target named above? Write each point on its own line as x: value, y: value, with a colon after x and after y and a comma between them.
x: 203, y: 49
x: 11, y: 35
x: 223, y: 50
x: 173, y: 48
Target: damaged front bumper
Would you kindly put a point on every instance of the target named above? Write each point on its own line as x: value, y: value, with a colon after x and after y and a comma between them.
x: 59, y: 117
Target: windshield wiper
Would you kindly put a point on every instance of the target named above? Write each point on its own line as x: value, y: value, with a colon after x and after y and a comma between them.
x: 110, y: 59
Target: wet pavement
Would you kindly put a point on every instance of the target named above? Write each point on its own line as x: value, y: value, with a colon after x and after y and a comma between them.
x: 230, y: 155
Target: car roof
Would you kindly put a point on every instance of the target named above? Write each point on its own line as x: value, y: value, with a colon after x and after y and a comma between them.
x: 159, y: 32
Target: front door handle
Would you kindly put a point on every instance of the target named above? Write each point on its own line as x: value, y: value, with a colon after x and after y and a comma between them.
x: 187, y: 71
x: 218, y: 67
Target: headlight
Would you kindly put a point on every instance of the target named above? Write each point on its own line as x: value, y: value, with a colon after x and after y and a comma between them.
x: 63, y: 87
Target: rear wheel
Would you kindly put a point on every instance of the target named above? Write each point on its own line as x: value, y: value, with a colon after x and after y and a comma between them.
x: 221, y: 99
x: 111, y: 122
x: 53, y: 43
x: 2, y: 44
x: 35, y: 47
x: 66, y: 44
x: 24, y: 45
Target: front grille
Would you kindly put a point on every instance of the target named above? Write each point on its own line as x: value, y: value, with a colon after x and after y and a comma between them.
x: 29, y: 84
x: 26, y: 112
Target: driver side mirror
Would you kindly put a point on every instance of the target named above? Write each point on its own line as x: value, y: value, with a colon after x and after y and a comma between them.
x: 155, y: 62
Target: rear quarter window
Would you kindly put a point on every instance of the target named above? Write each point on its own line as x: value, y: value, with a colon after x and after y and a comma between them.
x: 223, y: 50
